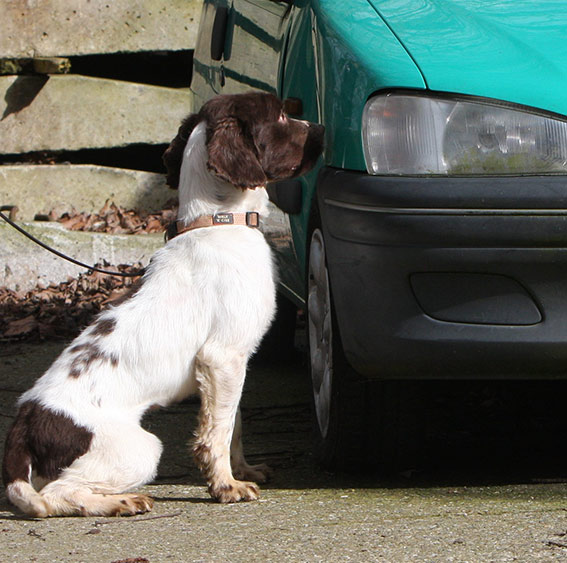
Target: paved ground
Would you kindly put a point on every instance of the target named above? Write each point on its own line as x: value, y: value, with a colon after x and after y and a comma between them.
x: 480, y: 495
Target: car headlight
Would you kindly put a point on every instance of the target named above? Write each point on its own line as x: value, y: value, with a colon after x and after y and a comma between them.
x: 415, y: 134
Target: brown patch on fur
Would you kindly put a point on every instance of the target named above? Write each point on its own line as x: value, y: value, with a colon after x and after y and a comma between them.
x: 77, y: 348
x: 173, y: 155
x: 89, y: 353
x: 103, y: 327
x: 233, y: 157
x: 131, y: 504
x: 47, y: 440
x: 234, y: 492
x: 204, y: 459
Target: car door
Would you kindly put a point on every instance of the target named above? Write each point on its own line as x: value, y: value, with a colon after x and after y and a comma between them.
x: 239, y: 47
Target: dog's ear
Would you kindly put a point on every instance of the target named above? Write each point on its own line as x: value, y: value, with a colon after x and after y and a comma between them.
x: 173, y: 155
x: 232, y: 155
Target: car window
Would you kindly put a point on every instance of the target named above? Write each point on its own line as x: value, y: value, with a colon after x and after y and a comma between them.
x: 247, y: 38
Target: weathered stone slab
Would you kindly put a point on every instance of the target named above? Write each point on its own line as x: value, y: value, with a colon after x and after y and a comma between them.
x: 24, y: 264
x: 69, y: 112
x: 41, y: 188
x: 81, y: 27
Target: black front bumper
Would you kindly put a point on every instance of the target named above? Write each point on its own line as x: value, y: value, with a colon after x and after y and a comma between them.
x: 448, y: 277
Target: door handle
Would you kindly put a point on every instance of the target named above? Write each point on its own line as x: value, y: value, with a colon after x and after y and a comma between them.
x: 218, y: 35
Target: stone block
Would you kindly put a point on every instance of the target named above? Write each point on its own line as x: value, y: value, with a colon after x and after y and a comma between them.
x: 41, y: 188
x: 69, y: 112
x: 24, y: 264
x: 63, y: 28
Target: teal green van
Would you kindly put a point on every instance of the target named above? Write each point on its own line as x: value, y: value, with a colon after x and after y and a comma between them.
x: 431, y: 241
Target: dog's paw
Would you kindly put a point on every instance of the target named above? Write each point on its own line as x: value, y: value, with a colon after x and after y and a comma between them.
x: 235, y: 491
x: 131, y: 504
x: 258, y: 473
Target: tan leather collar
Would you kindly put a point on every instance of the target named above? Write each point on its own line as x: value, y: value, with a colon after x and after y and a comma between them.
x: 247, y: 219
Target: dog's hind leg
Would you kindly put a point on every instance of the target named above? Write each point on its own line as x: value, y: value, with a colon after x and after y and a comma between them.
x: 82, y: 499
x: 240, y: 467
x: 220, y: 377
x: 122, y: 457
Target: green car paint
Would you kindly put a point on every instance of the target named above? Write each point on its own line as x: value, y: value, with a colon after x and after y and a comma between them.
x: 511, y: 50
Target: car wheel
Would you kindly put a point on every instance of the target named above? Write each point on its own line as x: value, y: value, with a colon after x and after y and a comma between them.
x: 358, y: 424
x: 320, y: 331
x: 336, y: 393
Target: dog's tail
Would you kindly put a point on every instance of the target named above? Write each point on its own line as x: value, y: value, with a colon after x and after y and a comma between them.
x: 17, y: 470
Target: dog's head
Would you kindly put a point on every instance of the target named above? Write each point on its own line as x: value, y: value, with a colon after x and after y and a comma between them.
x: 250, y: 141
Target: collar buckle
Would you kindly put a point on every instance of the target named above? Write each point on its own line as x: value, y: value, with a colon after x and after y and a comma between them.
x: 252, y: 219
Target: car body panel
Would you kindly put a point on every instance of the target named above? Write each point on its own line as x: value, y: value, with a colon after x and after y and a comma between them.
x: 205, y: 78
x: 513, y: 50
x: 259, y: 27
x: 496, y: 250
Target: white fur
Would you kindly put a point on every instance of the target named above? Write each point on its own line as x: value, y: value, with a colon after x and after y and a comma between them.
x: 206, y: 300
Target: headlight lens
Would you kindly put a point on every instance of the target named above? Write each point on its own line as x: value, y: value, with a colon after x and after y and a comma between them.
x: 413, y: 134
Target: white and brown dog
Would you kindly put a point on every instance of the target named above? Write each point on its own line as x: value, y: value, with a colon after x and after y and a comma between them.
x: 201, y: 309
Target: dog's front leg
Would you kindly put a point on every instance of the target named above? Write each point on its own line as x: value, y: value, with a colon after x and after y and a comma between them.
x: 240, y: 467
x: 220, y: 386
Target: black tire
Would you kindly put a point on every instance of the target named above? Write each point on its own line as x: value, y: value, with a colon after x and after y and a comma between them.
x: 358, y: 424
x: 278, y: 343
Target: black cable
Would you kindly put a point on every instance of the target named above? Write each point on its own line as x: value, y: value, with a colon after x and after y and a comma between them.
x: 60, y: 254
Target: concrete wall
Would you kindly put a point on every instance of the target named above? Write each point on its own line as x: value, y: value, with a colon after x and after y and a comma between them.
x: 48, y: 28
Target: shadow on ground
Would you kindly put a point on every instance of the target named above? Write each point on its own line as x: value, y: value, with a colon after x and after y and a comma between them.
x: 464, y: 433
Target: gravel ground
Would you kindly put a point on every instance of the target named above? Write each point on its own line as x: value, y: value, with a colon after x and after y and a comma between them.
x: 448, y: 508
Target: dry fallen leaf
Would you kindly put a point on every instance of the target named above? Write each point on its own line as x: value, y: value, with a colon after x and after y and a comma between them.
x: 114, y: 219
x: 59, y: 311
x: 21, y: 326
